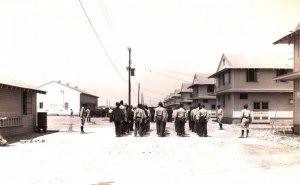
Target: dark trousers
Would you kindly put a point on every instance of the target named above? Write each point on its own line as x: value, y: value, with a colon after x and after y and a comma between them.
x: 160, y: 127
x: 202, y: 128
x: 191, y: 125
x: 130, y: 125
x: 118, y: 128
x: 139, y: 127
x: 179, y: 126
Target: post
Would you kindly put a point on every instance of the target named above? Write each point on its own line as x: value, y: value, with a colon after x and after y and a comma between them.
x: 129, y: 76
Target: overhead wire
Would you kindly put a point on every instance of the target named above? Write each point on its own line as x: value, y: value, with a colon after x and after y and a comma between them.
x: 100, y: 41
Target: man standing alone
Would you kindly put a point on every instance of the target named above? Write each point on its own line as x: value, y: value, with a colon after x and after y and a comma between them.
x: 82, y: 116
x: 220, y: 116
x: 245, y: 121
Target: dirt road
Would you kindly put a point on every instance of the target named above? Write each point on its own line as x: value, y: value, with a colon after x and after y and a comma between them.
x: 98, y: 157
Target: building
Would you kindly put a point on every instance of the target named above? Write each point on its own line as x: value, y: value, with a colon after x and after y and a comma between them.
x: 186, y: 95
x: 294, y: 38
x: 247, y: 79
x: 203, y: 92
x: 17, y: 107
x: 61, y: 98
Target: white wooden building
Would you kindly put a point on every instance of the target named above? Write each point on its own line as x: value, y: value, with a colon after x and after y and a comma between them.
x: 61, y: 98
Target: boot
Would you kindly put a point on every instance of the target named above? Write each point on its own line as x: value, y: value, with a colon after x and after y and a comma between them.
x: 221, y: 128
x: 81, y: 128
x: 247, y: 132
x: 242, y: 134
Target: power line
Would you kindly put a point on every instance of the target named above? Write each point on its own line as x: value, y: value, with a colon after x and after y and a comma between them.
x: 106, y: 15
x: 98, y: 37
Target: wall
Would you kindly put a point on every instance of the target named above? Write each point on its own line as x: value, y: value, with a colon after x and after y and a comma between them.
x: 56, y: 97
x: 11, y: 105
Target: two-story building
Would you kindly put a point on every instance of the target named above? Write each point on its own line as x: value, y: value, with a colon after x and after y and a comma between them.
x: 61, y: 98
x: 247, y: 79
x: 17, y: 107
x: 294, y: 38
x: 186, y: 95
x: 203, y: 92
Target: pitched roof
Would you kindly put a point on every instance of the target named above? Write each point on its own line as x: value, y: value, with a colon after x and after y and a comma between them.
x: 11, y: 82
x: 201, y: 79
x: 185, y: 88
x: 289, y: 38
x: 74, y: 88
x: 253, y: 61
x: 176, y: 93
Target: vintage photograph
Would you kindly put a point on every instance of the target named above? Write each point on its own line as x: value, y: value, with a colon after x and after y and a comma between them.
x: 150, y: 92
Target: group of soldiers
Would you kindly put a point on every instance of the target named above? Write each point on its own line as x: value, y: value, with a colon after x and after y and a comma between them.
x: 125, y: 117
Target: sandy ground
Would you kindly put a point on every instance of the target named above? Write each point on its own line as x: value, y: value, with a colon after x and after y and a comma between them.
x: 98, y: 157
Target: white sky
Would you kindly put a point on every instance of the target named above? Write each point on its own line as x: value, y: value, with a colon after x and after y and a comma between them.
x: 45, y: 40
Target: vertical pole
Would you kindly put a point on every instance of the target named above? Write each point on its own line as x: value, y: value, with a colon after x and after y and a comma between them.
x: 129, y: 75
x: 139, y: 93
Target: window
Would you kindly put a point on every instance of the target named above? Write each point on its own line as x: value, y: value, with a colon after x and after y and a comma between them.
x: 213, y: 107
x: 223, y: 101
x: 41, y: 106
x: 205, y: 100
x: 265, y: 105
x: 228, y: 96
x: 195, y: 89
x: 210, y: 88
x: 66, y: 106
x: 251, y: 75
x: 27, y: 102
x: 280, y: 72
x: 256, y: 105
x: 243, y: 96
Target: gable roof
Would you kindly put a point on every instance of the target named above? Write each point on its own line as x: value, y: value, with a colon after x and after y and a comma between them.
x: 252, y: 61
x: 176, y: 93
x: 7, y: 81
x: 185, y: 88
x: 289, y: 38
x: 202, y: 79
x: 74, y: 88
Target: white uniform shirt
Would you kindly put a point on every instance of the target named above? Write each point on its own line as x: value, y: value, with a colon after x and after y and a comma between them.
x: 246, y: 113
x: 139, y: 113
x: 180, y: 113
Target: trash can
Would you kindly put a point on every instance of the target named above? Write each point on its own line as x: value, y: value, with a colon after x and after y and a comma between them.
x: 42, y: 121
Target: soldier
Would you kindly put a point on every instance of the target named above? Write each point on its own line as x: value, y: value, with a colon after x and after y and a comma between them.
x: 196, y: 116
x: 160, y: 116
x: 110, y: 113
x: 180, y: 118
x: 88, y: 115
x: 191, y: 119
x: 245, y: 121
x: 130, y: 115
x: 139, y: 115
x: 203, y: 118
x: 152, y: 112
x: 123, y: 123
x: 118, y: 117
x: 82, y: 115
x: 220, y: 116
x: 147, y: 119
x: 170, y: 113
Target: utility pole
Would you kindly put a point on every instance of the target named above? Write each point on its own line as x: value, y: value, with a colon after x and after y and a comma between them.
x: 139, y: 93
x: 129, y: 76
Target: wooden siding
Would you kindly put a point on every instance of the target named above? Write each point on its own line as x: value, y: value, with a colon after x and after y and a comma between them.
x: 11, y: 106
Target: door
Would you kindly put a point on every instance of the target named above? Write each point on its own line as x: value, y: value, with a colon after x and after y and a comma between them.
x: 260, y: 112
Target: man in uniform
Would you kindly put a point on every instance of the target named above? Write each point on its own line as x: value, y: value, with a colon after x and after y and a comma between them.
x: 180, y: 119
x: 130, y: 115
x: 160, y: 116
x: 123, y: 123
x: 139, y: 115
x: 220, y: 116
x: 170, y: 113
x: 118, y: 117
x: 245, y: 121
x: 203, y: 118
x: 147, y: 119
x: 195, y: 114
x: 82, y: 115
